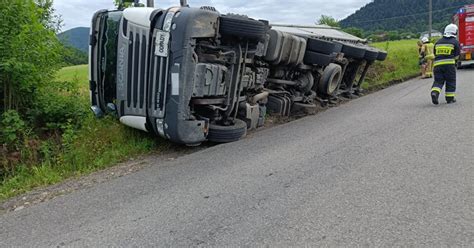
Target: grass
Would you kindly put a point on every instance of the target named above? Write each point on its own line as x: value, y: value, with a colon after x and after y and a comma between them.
x: 97, y: 144
x: 101, y: 143
x: 77, y: 73
x: 401, y: 64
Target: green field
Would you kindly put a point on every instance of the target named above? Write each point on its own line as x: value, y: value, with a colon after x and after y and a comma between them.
x: 78, y: 73
x: 100, y: 143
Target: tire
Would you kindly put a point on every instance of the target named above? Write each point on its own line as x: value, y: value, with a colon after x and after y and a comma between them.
x: 330, y: 80
x: 243, y: 27
x: 353, y: 51
x: 382, y: 56
x: 227, y: 134
x: 313, y: 58
x: 371, y: 54
x: 322, y: 46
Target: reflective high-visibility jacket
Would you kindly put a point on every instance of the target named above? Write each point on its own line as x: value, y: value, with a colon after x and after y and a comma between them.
x: 428, y: 50
x: 446, y: 51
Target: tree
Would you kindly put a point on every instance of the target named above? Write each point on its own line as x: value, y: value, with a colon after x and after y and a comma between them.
x: 30, y: 52
x: 355, y: 31
x: 48, y: 17
x: 34, y: 108
x: 74, y: 56
x: 122, y: 4
x: 393, y: 35
x: 328, y: 20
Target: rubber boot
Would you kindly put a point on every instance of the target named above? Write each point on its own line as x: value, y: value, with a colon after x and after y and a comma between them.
x: 450, y: 100
x: 435, y: 97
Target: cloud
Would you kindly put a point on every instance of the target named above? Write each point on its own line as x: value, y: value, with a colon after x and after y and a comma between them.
x: 76, y: 13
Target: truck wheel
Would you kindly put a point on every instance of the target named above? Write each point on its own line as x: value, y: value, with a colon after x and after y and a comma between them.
x: 353, y: 51
x: 313, y: 58
x: 242, y: 26
x: 330, y: 79
x: 382, y: 56
x: 322, y: 46
x: 227, y: 134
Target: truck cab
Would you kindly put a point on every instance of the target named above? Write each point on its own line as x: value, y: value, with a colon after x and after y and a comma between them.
x: 138, y: 74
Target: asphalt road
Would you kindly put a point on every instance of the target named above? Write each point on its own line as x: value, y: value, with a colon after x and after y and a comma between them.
x: 388, y: 169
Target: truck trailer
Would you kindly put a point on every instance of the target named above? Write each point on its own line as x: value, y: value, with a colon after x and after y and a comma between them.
x: 192, y: 74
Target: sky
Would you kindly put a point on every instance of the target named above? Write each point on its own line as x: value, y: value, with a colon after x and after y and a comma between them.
x: 78, y: 13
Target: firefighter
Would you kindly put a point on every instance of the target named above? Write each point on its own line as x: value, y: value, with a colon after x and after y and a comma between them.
x: 446, y: 52
x: 421, y: 56
x: 427, y: 50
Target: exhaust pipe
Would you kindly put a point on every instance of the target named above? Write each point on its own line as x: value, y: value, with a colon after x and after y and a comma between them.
x: 184, y: 3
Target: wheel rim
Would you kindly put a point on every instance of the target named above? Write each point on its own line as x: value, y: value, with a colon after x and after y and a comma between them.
x: 334, y: 83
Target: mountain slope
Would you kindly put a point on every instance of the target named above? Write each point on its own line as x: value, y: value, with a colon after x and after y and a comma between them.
x: 406, y: 15
x: 76, y: 37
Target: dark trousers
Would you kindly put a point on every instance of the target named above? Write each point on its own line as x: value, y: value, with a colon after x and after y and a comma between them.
x: 445, y: 74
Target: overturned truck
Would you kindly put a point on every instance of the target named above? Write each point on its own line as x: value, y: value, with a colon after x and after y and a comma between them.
x: 193, y: 74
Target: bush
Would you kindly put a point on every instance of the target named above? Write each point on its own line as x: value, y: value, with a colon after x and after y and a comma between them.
x: 13, y: 132
x: 12, y: 129
x: 58, y: 104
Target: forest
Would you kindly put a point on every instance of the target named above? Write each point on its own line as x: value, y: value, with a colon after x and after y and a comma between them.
x: 403, y: 15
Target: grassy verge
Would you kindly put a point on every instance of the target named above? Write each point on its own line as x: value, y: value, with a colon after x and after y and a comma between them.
x: 98, y: 144
x: 401, y: 64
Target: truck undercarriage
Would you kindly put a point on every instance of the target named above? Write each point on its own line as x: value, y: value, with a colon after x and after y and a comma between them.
x: 193, y: 74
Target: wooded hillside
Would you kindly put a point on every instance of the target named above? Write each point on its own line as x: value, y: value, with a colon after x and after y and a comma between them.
x: 403, y: 15
x: 76, y: 37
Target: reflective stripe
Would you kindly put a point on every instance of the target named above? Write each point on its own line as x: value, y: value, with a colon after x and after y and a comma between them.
x: 445, y: 46
x: 444, y: 49
x: 450, y: 94
x: 445, y: 62
x: 436, y: 89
